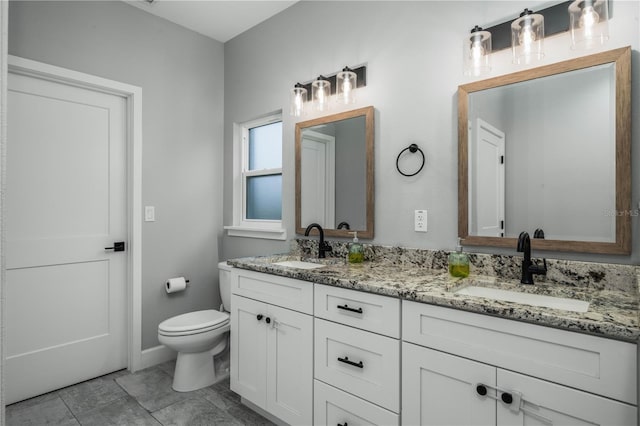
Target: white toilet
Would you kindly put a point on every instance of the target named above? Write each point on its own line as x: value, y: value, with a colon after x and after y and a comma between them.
x: 198, y: 337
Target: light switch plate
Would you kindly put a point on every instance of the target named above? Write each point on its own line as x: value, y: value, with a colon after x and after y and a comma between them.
x: 149, y: 214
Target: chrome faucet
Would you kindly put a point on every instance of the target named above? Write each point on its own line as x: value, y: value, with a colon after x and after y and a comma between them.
x: 528, y: 268
x: 323, y: 246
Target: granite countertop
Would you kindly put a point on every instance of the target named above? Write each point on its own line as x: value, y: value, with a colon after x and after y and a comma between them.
x: 612, y: 313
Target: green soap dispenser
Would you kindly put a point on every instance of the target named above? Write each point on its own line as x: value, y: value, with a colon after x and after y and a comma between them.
x: 356, y: 251
x: 458, y: 262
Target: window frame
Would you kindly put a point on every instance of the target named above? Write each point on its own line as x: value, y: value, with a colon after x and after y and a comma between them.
x: 243, y: 227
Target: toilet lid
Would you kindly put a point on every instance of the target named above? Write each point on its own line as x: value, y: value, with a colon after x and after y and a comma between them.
x: 194, y: 321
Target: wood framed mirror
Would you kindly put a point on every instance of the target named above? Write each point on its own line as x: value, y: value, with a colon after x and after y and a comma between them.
x: 548, y: 148
x: 334, y: 173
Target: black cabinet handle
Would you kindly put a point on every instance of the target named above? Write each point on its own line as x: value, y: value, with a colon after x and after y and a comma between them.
x: 343, y: 424
x: 117, y: 246
x: 268, y: 320
x: 259, y: 317
x: 507, y: 398
x: 355, y: 364
x: 347, y: 308
x: 481, y: 389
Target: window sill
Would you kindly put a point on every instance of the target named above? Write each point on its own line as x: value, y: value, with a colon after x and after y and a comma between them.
x: 265, y: 233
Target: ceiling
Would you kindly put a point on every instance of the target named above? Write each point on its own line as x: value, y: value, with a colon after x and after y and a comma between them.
x: 218, y: 19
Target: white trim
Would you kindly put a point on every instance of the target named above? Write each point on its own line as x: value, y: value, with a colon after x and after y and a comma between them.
x: 156, y: 355
x: 266, y: 233
x: 266, y: 229
x: 133, y: 96
x: 4, y: 20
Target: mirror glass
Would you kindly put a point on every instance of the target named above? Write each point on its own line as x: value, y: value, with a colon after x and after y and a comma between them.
x: 545, y: 149
x: 334, y: 173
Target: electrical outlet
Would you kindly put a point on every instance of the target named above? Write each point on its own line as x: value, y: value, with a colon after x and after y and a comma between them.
x: 149, y: 214
x: 420, y: 221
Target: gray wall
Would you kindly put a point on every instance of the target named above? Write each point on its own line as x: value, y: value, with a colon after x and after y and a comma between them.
x: 181, y: 75
x: 413, y: 53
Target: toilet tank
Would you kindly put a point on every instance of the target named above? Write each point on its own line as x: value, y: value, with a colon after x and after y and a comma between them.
x: 224, y: 271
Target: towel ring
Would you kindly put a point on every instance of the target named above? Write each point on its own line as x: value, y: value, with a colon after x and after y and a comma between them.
x: 412, y: 148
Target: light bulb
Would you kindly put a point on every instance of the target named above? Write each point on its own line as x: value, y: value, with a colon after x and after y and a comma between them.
x: 588, y: 20
x: 477, y: 52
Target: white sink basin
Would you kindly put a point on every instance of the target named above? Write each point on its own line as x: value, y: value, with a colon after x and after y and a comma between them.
x: 526, y: 298
x: 299, y: 264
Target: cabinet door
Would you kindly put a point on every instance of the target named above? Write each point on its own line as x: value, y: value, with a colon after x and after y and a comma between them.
x: 547, y: 403
x: 440, y: 389
x: 248, y: 349
x: 290, y: 366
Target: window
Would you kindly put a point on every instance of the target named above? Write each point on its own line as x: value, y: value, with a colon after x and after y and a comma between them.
x: 257, y: 189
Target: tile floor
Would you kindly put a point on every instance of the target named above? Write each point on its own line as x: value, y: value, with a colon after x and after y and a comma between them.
x: 143, y: 398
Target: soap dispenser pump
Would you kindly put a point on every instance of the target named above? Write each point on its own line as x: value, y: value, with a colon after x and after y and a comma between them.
x: 458, y: 262
x: 356, y: 251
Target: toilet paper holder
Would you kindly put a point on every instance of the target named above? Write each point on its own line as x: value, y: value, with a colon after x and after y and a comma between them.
x: 178, y: 284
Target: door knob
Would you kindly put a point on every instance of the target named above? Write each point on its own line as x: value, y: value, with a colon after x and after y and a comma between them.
x: 117, y: 246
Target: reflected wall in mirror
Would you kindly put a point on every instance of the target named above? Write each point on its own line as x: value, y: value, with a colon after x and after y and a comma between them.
x: 334, y: 173
x: 548, y: 148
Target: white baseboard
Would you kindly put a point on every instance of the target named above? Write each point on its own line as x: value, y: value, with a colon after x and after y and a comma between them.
x: 156, y: 355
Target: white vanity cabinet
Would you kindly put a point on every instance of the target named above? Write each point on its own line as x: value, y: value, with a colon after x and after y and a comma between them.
x: 272, y: 344
x: 562, y: 377
x: 357, y: 358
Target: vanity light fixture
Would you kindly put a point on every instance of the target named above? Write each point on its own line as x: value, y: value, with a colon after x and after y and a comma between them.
x: 476, y: 52
x: 527, y: 36
x: 588, y: 26
x: 342, y: 84
x: 346, y: 83
x: 297, y: 98
x: 589, y: 23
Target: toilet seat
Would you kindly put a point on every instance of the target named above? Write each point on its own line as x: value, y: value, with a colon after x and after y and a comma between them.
x: 193, y: 323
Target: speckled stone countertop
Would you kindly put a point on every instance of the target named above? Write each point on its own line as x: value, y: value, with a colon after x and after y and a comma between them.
x: 611, y: 290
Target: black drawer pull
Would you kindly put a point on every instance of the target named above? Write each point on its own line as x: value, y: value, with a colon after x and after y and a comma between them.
x: 507, y: 398
x: 347, y: 308
x: 355, y: 364
x: 259, y: 317
x: 343, y: 424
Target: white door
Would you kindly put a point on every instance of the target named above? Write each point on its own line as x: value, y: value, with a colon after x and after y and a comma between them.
x: 318, y: 179
x: 488, y: 196
x: 66, y: 299
x: 441, y: 389
x: 290, y: 365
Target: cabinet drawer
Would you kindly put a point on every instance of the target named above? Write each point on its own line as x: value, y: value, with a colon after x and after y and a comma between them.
x: 601, y: 366
x: 360, y: 362
x: 372, y: 312
x: 280, y: 291
x: 335, y: 407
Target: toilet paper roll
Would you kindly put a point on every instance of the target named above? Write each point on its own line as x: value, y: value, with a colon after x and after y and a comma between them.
x: 176, y: 284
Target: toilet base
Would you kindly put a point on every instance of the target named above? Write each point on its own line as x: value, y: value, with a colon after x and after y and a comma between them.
x: 193, y: 371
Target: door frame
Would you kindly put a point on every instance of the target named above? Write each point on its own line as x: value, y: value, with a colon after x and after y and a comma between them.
x: 133, y: 99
